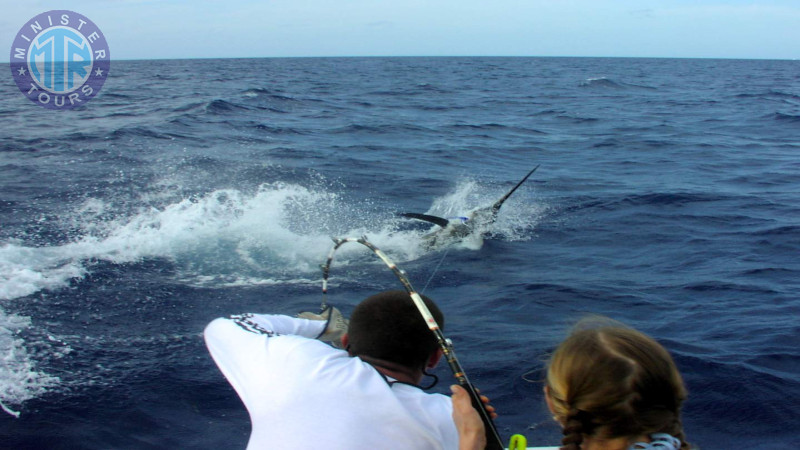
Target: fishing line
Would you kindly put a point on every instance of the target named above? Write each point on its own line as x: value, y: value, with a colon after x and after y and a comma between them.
x: 435, y: 269
x: 493, y: 440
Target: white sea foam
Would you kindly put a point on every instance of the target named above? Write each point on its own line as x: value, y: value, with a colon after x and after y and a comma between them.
x: 279, y: 228
x: 19, y: 380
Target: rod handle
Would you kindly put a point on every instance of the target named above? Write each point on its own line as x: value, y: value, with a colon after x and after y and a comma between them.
x: 493, y: 440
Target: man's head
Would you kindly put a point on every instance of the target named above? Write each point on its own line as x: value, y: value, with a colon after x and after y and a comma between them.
x: 388, y: 326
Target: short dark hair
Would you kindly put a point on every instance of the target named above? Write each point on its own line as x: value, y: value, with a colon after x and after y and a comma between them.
x: 389, y: 326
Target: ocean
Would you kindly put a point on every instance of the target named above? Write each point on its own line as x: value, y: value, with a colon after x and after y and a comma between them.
x: 667, y: 197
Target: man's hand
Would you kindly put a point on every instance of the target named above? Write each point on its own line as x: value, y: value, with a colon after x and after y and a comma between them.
x: 336, y: 325
x: 471, y: 432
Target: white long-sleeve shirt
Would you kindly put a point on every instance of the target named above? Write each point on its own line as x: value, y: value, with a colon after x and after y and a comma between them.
x: 303, y: 393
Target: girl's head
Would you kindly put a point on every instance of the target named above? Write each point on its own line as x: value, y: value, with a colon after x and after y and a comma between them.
x: 609, y: 381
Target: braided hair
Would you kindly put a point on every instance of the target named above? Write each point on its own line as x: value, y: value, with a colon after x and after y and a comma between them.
x: 608, y: 381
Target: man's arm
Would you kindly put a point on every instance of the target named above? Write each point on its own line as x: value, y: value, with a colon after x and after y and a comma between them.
x: 241, y: 345
x: 276, y: 325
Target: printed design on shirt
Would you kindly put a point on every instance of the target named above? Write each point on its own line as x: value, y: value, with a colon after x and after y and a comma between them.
x: 246, y: 321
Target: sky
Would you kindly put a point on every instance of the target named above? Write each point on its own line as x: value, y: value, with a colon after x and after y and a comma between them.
x: 158, y: 29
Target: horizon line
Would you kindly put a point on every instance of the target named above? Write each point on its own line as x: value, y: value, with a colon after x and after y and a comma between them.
x: 189, y: 58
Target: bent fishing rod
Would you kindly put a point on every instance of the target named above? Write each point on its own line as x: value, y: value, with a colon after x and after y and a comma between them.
x: 493, y: 440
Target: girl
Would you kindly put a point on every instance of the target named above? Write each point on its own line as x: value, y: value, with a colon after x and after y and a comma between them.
x: 609, y: 387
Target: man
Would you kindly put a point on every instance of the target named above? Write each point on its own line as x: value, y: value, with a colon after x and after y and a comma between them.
x: 303, y: 393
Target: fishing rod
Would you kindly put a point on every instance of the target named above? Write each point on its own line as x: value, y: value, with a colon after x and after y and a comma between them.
x: 493, y: 440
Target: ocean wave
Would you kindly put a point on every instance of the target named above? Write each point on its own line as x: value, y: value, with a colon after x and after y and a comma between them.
x: 255, y: 92
x: 222, y: 107
x: 653, y: 198
x: 31, y: 141
x: 431, y: 87
x: 419, y: 89
x: 273, y: 102
x: 608, y: 142
x: 549, y: 293
x: 116, y: 95
x: 549, y: 112
x: 496, y: 127
x: 380, y: 129
x: 564, y: 116
x: 606, y: 83
x: 779, y: 364
x: 576, y: 118
x: 268, y: 94
x: 189, y: 106
x: 788, y: 230
x: 769, y: 271
x: 731, y: 397
x: 670, y: 198
x: 721, y: 286
x: 135, y: 132
x: 274, y: 130
x: 9, y: 145
x: 785, y: 117
x: 770, y: 94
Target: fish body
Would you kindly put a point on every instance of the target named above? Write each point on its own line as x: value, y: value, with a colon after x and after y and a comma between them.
x: 456, y: 229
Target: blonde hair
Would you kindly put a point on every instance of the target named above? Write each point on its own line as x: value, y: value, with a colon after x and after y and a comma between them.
x: 610, y: 381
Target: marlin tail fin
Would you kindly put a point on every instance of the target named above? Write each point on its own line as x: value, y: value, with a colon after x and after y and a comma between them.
x: 441, y: 221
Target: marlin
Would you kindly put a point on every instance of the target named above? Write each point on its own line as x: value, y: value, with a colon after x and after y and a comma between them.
x: 459, y: 228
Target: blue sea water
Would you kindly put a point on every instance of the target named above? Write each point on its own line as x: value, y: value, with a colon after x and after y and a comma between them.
x: 668, y: 197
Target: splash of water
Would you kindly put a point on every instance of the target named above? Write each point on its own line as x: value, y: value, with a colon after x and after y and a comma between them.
x: 19, y: 380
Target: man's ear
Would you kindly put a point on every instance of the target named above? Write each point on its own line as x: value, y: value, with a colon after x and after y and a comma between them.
x: 436, y: 356
x: 346, y: 343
